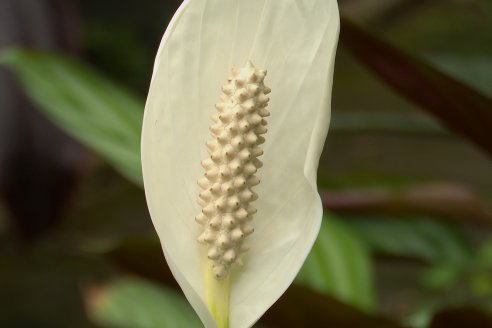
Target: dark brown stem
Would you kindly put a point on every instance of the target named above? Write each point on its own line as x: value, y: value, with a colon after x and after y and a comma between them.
x: 439, y: 200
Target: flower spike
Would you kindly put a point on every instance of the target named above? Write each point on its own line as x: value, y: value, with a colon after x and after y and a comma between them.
x: 244, y: 90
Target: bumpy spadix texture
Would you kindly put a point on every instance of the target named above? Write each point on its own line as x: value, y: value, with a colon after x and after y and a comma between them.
x: 230, y: 169
x: 296, y: 41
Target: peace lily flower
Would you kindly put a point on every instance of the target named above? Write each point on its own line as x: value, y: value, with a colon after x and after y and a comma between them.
x: 236, y: 250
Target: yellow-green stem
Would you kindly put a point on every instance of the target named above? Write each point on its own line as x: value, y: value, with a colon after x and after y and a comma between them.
x: 217, y: 294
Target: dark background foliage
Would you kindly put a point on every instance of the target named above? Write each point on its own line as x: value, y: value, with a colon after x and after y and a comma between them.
x: 405, y: 177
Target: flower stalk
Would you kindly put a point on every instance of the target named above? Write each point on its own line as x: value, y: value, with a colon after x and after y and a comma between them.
x: 217, y: 297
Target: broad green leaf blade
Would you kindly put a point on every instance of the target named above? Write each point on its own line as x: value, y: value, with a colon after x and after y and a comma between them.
x: 136, y: 303
x: 461, y: 108
x: 339, y: 265
x: 84, y: 104
x: 418, y: 238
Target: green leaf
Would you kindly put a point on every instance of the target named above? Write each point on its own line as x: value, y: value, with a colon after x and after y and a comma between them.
x: 90, y: 108
x: 136, y: 303
x: 418, y: 238
x: 481, y: 283
x: 461, y: 108
x: 339, y: 265
x: 442, y: 277
x: 484, y: 256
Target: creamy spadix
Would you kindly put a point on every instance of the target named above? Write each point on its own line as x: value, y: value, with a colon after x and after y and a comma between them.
x: 230, y: 170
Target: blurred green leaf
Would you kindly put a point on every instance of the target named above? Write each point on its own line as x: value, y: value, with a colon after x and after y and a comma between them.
x: 481, y: 283
x: 484, y: 256
x: 339, y: 265
x: 461, y: 108
x: 418, y: 238
x: 421, y: 317
x: 480, y: 278
x: 441, y: 277
x: 136, y: 303
x: 92, y: 109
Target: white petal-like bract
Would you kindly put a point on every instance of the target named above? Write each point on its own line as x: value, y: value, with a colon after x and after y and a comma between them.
x: 295, y: 40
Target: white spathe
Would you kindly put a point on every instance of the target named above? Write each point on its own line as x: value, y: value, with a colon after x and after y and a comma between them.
x: 295, y: 40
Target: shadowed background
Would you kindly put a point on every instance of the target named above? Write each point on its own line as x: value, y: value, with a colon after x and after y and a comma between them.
x: 405, y: 176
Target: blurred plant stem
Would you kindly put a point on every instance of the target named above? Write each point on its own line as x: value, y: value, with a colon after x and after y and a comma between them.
x: 459, y: 107
x: 439, y: 200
